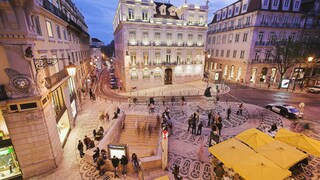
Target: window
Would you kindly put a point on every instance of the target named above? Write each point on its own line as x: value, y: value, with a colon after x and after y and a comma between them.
x: 286, y: 3
x: 145, y: 58
x: 168, y: 58
x: 224, y: 38
x: 229, y: 12
x: 201, y: 20
x: 257, y: 55
x: 191, y: 16
x: 274, y: 19
x: 199, y: 38
x: 285, y: 20
x: 245, y: 36
x: 209, y: 40
x: 144, y: 15
x: 230, y: 38
x: 265, y: 2
x: 180, y: 38
x: 49, y: 28
x: 225, y: 73
x: 272, y: 36
x: 58, y: 32
x: 37, y: 24
x: 145, y: 36
x: 217, y: 52
x: 179, y: 58
x: 237, y: 10
x: 237, y: 38
x: 239, y: 22
x: 213, y: 40
x: 169, y: 38
x: 241, y: 54
x: 264, y: 19
x: 296, y: 4
x: 228, y: 53
x: 267, y: 56
x: 157, y: 57
x: 64, y: 33
x: 190, y: 39
x: 130, y: 14
x: 222, y: 53
x: 157, y: 37
x: 275, y: 2
x: 133, y: 58
x: 260, y: 36
x: 232, y: 72
x: 234, y: 55
x: 244, y: 8
x: 132, y: 36
x: 224, y: 14
x: 218, y: 39
x: 248, y: 21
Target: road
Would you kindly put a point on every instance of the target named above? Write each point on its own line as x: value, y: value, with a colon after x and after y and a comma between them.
x: 238, y: 92
x: 262, y: 97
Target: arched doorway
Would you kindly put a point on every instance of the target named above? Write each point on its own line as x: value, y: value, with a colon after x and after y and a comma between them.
x: 168, y: 76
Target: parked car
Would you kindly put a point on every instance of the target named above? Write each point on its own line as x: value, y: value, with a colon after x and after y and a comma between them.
x: 285, y: 110
x: 315, y: 89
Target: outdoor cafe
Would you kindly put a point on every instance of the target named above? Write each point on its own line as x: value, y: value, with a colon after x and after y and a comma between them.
x: 253, y: 154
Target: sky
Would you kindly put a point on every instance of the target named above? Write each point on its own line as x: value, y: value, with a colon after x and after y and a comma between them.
x: 99, y: 14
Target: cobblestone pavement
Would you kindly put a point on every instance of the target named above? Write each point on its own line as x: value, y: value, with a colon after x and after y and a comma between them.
x: 187, y: 150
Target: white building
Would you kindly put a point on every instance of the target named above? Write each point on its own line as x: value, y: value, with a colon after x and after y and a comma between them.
x: 158, y: 44
x: 241, y: 35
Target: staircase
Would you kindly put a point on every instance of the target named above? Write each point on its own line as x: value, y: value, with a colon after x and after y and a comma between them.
x: 141, y: 133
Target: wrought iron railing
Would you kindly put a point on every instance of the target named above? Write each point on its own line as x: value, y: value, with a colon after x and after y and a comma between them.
x: 56, y: 78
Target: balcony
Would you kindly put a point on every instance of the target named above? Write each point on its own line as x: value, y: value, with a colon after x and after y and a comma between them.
x: 56, y: 78
x: 133, y: 43
x: 165, y: 63
x: 54, y: 10
x: 266, y: 43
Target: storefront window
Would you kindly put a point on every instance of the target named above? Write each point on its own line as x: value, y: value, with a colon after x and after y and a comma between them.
x: 9, y: 166
x: 134, y: 74
x: 63, y: 127
x: 73, y: 108
x: 57, y: 101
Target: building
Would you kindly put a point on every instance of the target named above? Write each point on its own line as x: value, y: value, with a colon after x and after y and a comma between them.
x: 241, y: 36
x: 96, y: 55
x: 38, y: 100
x: 96, y: 42
x: 157, y: 43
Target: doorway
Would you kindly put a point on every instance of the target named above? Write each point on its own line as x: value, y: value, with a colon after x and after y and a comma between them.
x: 168, y: 76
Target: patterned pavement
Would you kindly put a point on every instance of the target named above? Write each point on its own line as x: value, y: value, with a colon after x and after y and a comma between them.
x: 186, y: 150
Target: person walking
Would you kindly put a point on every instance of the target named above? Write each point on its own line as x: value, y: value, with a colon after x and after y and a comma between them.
x: 219, y: 123
x: 115, y: 164
x: 209, y: 118
x: 80, y: 148
x: 228, y: 113
x: 107, y: 117
x: 86, y: 141
x: 172, y: 100
x: 240, y: 109
x: 183, y: 100
x: 91, y: 93
x: 190, y: 122
x: 135, y: 163
x: 124, y: 163
x: 96, y: 154
x: 199, y: 128
x: 163, y: 101
x: 194, y: 125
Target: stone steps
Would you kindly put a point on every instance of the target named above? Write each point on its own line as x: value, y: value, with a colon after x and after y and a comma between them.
x: 140, y: 143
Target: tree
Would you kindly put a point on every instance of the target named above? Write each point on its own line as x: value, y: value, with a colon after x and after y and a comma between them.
x: 108, y: 50
x: 286, y: 53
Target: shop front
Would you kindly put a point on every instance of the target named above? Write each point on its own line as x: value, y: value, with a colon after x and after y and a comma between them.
x: 64, y: 128
x: 9, y: 165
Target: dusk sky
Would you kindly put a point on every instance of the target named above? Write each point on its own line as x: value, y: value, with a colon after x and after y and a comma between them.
x: 99, y: 14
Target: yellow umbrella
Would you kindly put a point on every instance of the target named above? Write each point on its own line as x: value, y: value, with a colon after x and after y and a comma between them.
x: 282, y: 154
x: 300, y: 141
x: 254, y: 138
x: 258, y: 167
x: 231, y: 151
x: 163, y: 178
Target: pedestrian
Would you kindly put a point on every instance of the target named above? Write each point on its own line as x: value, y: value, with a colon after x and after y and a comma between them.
x: 107, y: 117
x: 124, y: 163
x: 115, y: 116
x: 219, y: 171
x: 219, y: 123
x: 129, y: 101
x: 190, y: 122
x: 163, y: 101
x: 94, y: 132
x: 135, y: 163
x: 172, y: 100
x: 90, y: 93
x: 183, y: 100
x: 91, y: 144
x: 228, y: 113
x: 101, y: 130
x: 96, y: 154
x: 209, y: 118
x: 86, y: 141
x: 194, y: 125
x: 80, y: 148
x: 199, y: 128
x: 101, y: 116
x: 240, y: 109
x: 115, y: 164
x: 118, y: 110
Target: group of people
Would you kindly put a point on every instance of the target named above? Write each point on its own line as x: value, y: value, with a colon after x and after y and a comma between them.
x: 98, y: 134
x: 123, y: 161
x: 89, y: 143
x: 194, y: 122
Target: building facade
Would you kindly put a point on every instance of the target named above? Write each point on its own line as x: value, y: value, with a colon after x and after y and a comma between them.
x: 241, y: 36
x: 157, y: 43
x: 38, y: 100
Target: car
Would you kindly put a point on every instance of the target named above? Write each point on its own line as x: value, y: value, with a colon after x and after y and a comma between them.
x: 285, y: 110
x: 315, y: 89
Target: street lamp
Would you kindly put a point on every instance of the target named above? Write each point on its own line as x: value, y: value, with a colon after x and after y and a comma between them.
x: 310, y: 59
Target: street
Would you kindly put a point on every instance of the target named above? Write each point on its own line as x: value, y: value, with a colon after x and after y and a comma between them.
x: 262, y: 97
